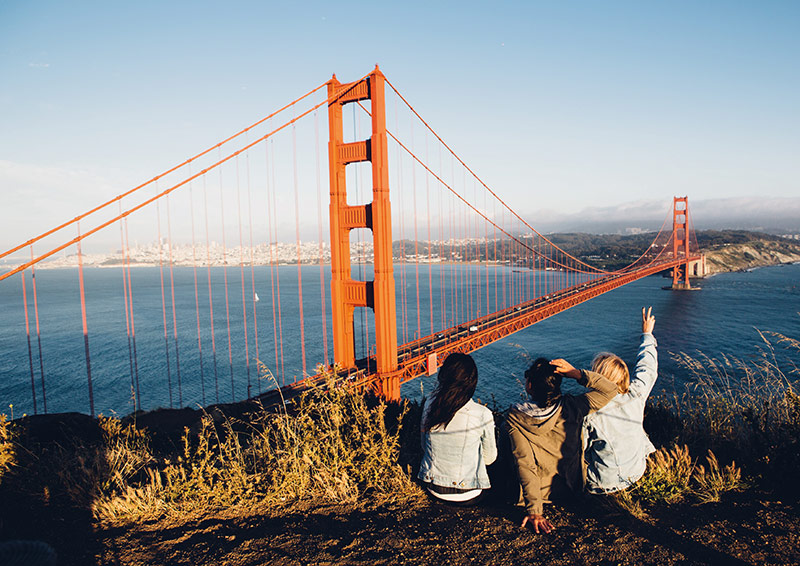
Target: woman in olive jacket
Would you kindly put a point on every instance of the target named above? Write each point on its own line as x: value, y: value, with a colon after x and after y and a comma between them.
x: 545, y: 433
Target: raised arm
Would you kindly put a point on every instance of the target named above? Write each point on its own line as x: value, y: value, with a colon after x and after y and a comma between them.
x: 602, y: 390
x: 646, y: 371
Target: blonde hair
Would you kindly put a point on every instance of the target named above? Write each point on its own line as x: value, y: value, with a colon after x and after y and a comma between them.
x: 614, y: 369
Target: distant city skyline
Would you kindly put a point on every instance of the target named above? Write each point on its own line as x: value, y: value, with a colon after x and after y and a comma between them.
x: 583, y: 116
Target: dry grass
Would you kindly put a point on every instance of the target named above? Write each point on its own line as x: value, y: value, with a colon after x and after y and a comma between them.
x: 668, y: 476
x: 747, y: 411
x: 715, y: 480
x: 333, y: 443
x: 673, y: 476
x: 7, y: 456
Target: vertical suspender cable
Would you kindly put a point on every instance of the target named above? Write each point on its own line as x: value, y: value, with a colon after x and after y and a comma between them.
x: 277, y: 271
x: 322, y: 301
x: 163, y: 302
x: 254, y: 295
x: 225, y: 279
x: 398, y: 200
x: 197, y: 298
x: 134, y: 395
x: 452, y: 240
x: 133, y: 321
x: 271, y: 261
x: 416, y: 237
x: 486, y: 252
x: 174, y: 313
x: 38, y: 334
x: 465, y: 279
x: 404, y: 269
x: 494, y: 255
x: 442, y: 303
x: 241, y: 272
x: 297, y: 234
x: 28, y: 335
x: 85, y: 326
x: 210, y: 295
x: 430, y: 257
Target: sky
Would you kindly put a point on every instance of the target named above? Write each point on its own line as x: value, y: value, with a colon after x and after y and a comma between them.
x: 563, y: 108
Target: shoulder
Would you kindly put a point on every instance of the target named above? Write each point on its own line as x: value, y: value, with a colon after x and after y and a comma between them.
x: 475, y: 408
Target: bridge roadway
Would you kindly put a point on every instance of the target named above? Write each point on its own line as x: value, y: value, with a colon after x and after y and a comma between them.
x: 413, y: 357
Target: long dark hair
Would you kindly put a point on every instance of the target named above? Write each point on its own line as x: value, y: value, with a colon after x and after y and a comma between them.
x: 458, y: 377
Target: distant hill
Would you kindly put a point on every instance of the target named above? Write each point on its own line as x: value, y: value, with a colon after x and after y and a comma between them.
x: 726, y: 250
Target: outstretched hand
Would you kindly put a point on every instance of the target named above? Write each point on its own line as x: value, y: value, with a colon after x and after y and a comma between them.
x: 540, y: 524
x: 648, y: 320
x: 565, y: 368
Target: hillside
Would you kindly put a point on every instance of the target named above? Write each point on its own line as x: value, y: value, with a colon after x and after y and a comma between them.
x: 756, y: 253
x: 726, y: 250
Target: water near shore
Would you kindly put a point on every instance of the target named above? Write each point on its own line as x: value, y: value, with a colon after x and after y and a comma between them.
x: 722, y: 318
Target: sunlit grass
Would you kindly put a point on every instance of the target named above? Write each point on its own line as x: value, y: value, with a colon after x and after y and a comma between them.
x: 332, y: 443
x: 6, y: 446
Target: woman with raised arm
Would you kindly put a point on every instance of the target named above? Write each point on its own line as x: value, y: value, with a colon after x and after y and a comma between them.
x: 458, y: 439
x: 615, y: 445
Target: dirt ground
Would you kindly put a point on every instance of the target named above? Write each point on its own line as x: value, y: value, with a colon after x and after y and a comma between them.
x: 746, y: 528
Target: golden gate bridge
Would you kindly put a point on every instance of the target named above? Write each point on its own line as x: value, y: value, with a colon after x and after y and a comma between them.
x: 391, y: 289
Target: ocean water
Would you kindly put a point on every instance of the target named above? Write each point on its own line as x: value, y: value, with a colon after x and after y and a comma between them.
x: 722, y: 318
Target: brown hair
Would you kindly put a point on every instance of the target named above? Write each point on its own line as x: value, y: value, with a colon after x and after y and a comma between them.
x: 543, y: 383
x: 614, y: 369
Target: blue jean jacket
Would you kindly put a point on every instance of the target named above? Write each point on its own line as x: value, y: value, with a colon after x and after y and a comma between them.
x: 615, y: 445
x: 457, y: 455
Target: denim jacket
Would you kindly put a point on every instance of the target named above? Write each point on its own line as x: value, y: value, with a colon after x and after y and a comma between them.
x: 615, y: 445
x: 457, y: 455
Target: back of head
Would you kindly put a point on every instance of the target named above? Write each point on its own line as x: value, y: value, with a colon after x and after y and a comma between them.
x: 542, y: 383
x: 613, y: 369
x: 458, y: 378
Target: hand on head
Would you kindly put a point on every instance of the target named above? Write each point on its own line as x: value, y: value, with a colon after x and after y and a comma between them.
x: 648, y: 320
x: 563, y: 367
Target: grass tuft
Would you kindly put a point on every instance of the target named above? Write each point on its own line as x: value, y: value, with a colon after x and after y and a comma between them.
x: 668, y: 476
x: 7, y: 455
x: 714, y: 480
x: 673, y: 476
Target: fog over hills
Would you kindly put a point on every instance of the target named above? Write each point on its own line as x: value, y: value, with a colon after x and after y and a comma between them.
x: 770, y: 215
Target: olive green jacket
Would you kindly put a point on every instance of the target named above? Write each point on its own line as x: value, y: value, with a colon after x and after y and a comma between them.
x: 546, y: 443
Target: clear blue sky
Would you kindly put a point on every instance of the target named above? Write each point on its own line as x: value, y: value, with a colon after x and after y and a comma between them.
x: 557, y: 105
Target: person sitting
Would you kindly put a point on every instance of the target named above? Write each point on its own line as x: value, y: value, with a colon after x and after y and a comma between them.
x: 458, y: 438
x: 545, y: 434
x: 615, y: 445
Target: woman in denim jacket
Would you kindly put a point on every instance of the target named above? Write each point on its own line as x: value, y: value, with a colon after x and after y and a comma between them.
x: 615, y: 445
x: 458, y: 439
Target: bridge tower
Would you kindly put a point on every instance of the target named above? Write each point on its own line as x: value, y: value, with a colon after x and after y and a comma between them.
x: 346, y: 293
x: 680, y: 242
